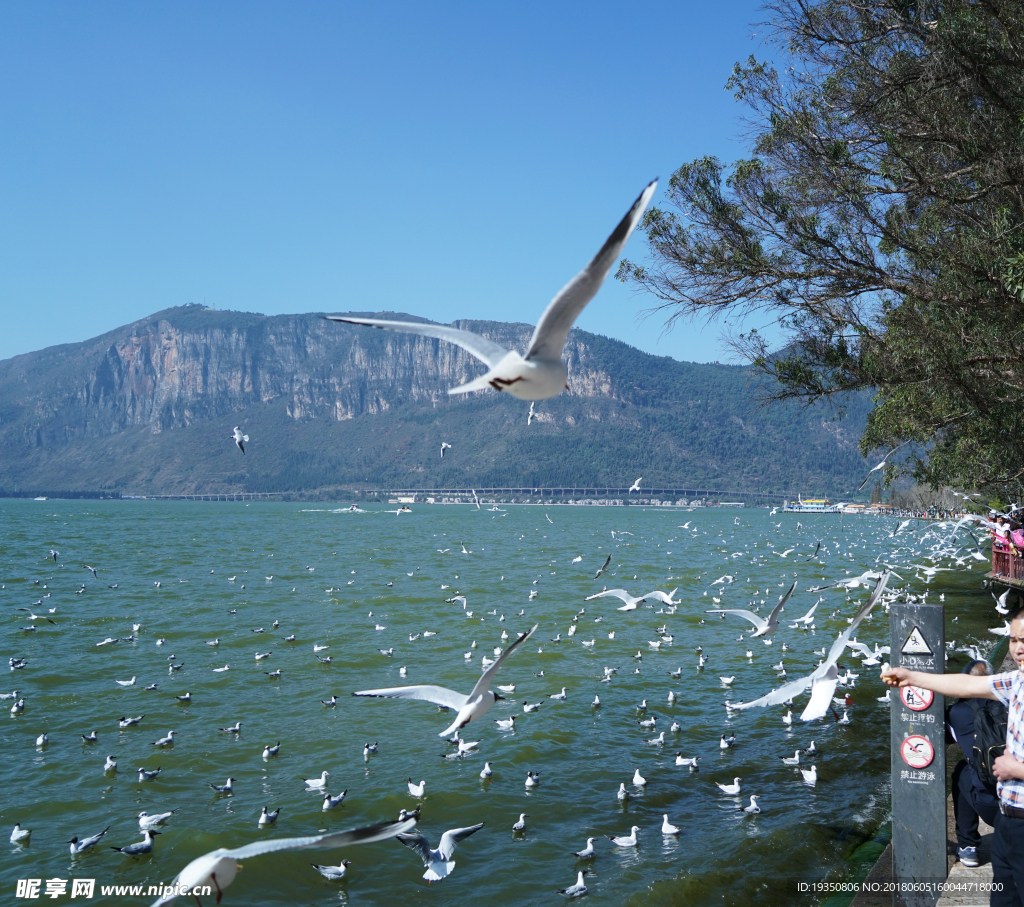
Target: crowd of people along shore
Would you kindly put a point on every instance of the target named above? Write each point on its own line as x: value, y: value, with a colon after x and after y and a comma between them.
x: 1008, y: 544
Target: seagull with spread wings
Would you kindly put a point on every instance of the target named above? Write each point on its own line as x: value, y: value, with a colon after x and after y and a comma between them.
x: 631, y: 602
x: 882, y: 465
x: 540, y: 373
x: 218, y: 868
x: 439, y: 862
x: 470, y: 707
x: 764, y: 627
x: 823, y: 679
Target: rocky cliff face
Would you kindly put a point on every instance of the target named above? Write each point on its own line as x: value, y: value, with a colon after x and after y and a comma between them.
x: 188, y: 365
x: 102, y: 413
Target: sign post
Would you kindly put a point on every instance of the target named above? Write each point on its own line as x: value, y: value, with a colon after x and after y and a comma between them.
x: 918, y: 757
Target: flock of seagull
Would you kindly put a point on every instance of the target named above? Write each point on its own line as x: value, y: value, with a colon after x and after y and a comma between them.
x: 468, y: 712
x: 537, y: 375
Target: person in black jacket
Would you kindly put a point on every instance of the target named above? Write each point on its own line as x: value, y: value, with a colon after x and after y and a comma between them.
x: 971, y: 798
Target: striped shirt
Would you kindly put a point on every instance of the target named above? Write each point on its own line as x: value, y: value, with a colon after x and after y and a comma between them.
x: 1009, y: 689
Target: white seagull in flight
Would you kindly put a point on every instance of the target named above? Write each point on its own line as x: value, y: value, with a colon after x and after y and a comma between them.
x: 439, y: 862
x: 824, y: 678
x: 764, y: 627
x: 470, y: 707
x: 240, y: 438
x: 882, y: 465
x: 631, y: 602
x: 540, y: 373
x: 219, y: 867
x: 635, y: 486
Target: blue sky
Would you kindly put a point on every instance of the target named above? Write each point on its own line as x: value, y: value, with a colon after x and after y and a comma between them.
x: 449, y: 160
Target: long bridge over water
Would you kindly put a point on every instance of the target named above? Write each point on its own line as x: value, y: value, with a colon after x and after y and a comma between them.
x: 594, y: 491
x: 566, y: 492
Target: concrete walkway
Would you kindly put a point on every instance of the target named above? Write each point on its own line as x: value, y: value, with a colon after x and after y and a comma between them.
x: 958, y: 873
x: 881, y: 872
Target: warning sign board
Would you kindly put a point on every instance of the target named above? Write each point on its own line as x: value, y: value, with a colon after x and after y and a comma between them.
x: 917, y: 751
x: 917, y: 699
x: 915, y: 644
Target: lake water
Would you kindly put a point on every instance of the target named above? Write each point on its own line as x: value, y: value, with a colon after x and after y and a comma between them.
x: 171, y: 564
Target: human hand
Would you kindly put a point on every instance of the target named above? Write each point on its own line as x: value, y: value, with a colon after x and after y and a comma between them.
x: 895, y: 677
x: 1007, y: 767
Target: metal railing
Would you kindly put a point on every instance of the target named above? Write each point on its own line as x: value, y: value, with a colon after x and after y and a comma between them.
x: 1006, y: 564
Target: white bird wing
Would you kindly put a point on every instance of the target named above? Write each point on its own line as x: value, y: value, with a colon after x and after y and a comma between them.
x: 807, y: 617
x: 554, y: 325
x: 485, y: 350
x: 860, y: 647
x: 618, y: 593
x: 783, y: 694
x: 822, y: 689
x: 451, y: 838
x: 365, y: 835
x: 847, y: 634
x: 485, y: 679
x: 867, y: 478
x: 773, y: 617
x: 427, y: 692
x: 742, y: 612
x: 660, y: 596
x: 417, y: 843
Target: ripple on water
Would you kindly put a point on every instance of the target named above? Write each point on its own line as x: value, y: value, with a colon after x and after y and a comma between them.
x: 581, y: 754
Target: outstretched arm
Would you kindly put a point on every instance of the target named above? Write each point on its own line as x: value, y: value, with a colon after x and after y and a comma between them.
x: 965, y: 686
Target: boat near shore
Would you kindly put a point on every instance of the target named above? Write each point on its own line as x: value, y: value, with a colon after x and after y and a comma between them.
x: 812, y: 505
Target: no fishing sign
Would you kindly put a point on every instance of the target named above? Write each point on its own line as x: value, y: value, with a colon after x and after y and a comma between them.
x: 918, y: 754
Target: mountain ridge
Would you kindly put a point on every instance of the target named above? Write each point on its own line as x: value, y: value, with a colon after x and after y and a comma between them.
x: 149, y: 408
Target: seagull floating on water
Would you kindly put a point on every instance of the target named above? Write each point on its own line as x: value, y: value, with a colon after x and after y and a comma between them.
x: 267, y: 817
x: 79, y: 846
x: 151, y: 821
x: 140, y: 847
x: 333, y: 873
x: 629, y: 840
x: 587, y: 851
x: 333, y: 802
x: 577, y: 890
